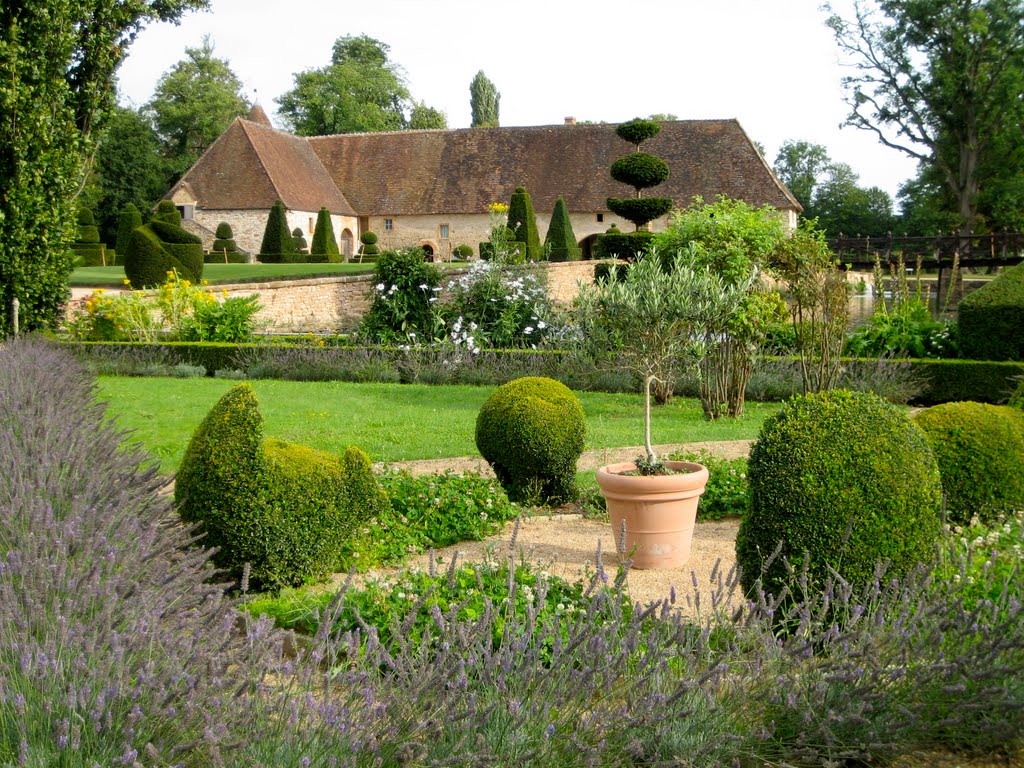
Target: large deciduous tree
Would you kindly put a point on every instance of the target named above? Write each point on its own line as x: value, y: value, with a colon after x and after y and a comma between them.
x: 484, y: 101
x: 941, y: 81
x: 829, y: 192
x: 194, y: 101
x: 128, y: 169
x: 361, y: 90
x: 57, y: 61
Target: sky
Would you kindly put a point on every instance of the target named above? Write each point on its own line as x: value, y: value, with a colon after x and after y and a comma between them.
x: 771, y: 64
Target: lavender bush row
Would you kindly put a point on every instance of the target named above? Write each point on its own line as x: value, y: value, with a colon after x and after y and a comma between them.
x: 115, y: 647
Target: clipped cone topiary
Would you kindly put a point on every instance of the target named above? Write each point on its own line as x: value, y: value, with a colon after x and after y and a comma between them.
x: 324, y: 247
x: 560, y: 241
x: 277, y: 243
x: 523, y: 223
x: 531, y: 431
x: 845, y: 479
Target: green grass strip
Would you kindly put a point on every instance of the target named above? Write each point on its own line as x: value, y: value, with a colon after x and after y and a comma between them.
x: 222, y: 274
x: 391, y: 422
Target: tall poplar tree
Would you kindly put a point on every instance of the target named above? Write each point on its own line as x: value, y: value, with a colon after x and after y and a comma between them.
x: 939, y: 80
x: 483, y: 101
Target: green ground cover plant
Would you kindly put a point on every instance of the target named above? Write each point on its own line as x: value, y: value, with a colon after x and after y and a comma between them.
x: 391, y: 422
x: 427, y: 511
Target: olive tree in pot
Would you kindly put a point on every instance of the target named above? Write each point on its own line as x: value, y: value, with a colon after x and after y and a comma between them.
x: 662, y: 318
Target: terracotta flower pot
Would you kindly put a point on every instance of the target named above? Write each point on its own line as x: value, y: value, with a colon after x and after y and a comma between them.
x: 658, y: 511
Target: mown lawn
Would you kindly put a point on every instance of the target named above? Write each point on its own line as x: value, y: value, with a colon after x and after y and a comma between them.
x: 391, y: 422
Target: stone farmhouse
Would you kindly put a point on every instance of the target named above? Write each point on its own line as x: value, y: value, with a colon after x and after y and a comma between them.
x: 431, y: 188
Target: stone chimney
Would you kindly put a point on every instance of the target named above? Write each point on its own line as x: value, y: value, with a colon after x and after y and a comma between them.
x: 570, y: 121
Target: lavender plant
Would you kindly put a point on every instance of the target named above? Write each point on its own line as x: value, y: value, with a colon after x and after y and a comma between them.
x: 115, y: 646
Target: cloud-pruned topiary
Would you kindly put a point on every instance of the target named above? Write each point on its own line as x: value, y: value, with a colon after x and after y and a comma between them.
x: 127, y: 220
x: 225, y: 248
x: 523, y: 222
x: 531, y: 431
x: 560, y: 242
x: 847, y: 479
x: 167, y: 212
x: 990, y: 319
x: 283, y: 509
x: 277, y: 245
x: 980, y: 450
x: 157, y: 248
x: 641, y: 171
x: 324, y: 247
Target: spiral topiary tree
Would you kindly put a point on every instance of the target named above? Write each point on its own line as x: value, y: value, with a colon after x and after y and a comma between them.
x: 158, y: 248
x: 641, y: 171
x: 87, y: 245
x: 277, y: 243
x: 531, y: 431
x: 324, y: 247
x: 523, y: 223
x: 845, y: 480
x: 560, y: 241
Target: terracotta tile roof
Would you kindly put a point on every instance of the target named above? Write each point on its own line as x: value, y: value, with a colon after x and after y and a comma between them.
x: 461, y: 171
x: 259, y: 116
x: 250, y: 166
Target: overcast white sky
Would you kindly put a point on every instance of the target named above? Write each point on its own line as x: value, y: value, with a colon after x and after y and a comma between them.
x: 772, y: 64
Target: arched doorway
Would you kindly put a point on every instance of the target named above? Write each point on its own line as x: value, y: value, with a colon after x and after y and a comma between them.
x: 347, y: 241
x: 587, y: 246
x: 429, y: 249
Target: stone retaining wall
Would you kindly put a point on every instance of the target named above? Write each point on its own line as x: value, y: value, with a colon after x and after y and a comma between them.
x: 334, y: 303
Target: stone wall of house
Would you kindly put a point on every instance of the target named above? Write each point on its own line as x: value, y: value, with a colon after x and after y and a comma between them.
x: 335, y: 303
x: 472, y: 229
x: 248, y: 226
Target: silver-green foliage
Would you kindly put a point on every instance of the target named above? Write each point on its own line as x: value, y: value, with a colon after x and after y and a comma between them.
x: 663, y: 318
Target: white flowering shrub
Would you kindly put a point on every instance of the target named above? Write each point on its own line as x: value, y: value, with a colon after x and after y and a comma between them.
x: 498, y: 305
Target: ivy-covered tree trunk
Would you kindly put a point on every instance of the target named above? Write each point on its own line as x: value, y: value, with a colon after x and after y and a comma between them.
x: 57, y: 60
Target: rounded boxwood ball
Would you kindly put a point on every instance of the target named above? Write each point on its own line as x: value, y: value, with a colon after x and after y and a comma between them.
x: 845, y: 477
x: 980, y: 450
x: 531, y: 431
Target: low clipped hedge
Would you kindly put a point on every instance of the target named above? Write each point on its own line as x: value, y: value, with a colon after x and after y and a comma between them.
x: 283, y: 510
x: 990, y: 319
x: 622, y: 245
x: 982, y: 381
x: 980, y: 450
x: 531, y: 431
x: 846, y: 480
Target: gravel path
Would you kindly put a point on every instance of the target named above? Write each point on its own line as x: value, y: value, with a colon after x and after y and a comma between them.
x: 567, y: 544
